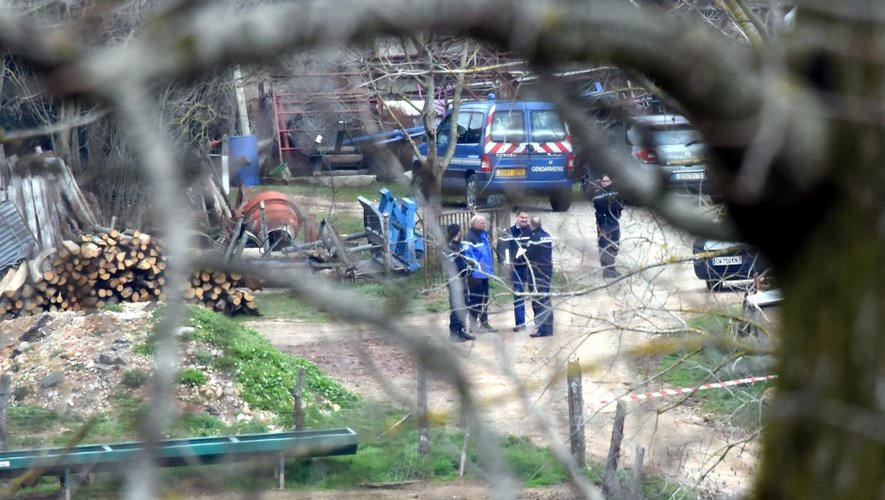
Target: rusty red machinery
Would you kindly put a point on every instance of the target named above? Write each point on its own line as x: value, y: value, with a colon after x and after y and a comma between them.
x: 282, y: 218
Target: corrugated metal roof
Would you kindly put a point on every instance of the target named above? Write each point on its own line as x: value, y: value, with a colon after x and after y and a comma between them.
x: 16, y: 241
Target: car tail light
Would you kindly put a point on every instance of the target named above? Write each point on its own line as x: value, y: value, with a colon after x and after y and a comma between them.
x: 570, y: 162
x: 485, y: 163
x: 646, y: 155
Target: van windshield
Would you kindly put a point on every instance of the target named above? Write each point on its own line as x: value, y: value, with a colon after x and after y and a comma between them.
x: 547, y: 126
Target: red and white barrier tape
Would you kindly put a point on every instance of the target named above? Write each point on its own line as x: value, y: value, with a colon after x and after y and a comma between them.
x: 683, y: 390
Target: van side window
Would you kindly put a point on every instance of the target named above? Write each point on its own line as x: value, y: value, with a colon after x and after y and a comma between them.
x: 442, y: 133
x: 474, y: 129
x: 547, y: 126
x: 508, y: 126
x: 469, y: 129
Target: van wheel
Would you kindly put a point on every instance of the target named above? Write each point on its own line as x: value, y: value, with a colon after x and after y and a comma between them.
x: 561, y: 200
x: 470, y: 192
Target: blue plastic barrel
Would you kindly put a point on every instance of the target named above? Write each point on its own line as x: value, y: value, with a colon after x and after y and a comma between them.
x: 243, y: 160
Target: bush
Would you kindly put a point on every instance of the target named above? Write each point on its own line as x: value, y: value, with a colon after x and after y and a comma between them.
x: 134, y: 378
x: 20, y: 392
x: 192, y: 377
x: 113, y: 307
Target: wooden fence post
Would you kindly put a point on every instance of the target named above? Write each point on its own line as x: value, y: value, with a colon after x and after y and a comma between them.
x: 636, y: 482
x: 576, y: 413
x: 610, y: 484
x: 423, y: 431
x: 464, y: 446
x: 298, y: 411
x: 5, y: 383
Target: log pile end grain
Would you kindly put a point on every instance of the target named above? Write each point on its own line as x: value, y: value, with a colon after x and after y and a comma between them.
x: 110, y: 267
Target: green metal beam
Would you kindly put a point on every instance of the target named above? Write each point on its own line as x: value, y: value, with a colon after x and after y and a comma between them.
x: 180, y: 452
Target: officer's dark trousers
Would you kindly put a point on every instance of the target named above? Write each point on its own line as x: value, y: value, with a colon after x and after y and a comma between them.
x: 609, y: 241
x: 478, y: 299
x: 458, y: 300
x: 519, y: 277
x: 542, y: 307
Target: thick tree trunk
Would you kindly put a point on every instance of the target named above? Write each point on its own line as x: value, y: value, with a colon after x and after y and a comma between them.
x: 826, y: 437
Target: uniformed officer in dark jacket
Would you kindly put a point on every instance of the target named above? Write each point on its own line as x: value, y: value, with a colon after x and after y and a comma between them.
x: 511, y: 249
x: 539, y: 255
x: 608, y: 208
x: 457, y: 286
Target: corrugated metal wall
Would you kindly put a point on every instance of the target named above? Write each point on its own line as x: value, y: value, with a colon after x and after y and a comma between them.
x: 16, y: 241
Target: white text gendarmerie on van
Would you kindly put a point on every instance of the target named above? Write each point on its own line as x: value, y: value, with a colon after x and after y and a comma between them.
x: 551, y: 168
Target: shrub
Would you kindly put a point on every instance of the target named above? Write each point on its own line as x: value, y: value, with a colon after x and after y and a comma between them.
x: 20, y: 392
x: 134, y: 378
x: 192, y: 377
x: 113, y: 307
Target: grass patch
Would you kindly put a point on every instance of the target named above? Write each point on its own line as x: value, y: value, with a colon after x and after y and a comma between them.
x: 266, y: 375
x: 199, y: 425
x: 192, y: 377
x: 347, y: 224
x: 135, y: 378
x: 113, y: 307
x: 26, y: 419
x: 716, y: 362
x: 533, y: 465
x: 401, y: 295
x: 388, y: 453
x: 285, y: 305
x: 342, y: 194
x: 408, y: 294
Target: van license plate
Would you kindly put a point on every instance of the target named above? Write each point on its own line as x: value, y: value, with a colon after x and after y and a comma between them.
x: 510, y: 172
x: 731, y: 260
x: 689, y: 176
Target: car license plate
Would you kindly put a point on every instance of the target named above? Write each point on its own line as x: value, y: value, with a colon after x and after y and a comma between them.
x: 731, y: 260
x: 689, y: 176
x: 510, y: 172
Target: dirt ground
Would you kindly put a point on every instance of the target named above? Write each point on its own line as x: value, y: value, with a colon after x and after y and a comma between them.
x: 520, y: 380
x: 458, y: 490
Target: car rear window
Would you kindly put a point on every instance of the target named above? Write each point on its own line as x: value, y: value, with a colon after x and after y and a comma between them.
x: 662, y: 136
x: 547, y: 126
x: 508, y: 126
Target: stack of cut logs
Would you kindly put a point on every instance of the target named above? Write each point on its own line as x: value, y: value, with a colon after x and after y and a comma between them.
x: 110, y: 267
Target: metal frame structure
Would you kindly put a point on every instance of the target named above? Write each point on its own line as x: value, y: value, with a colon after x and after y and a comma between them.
x: 63, y: 462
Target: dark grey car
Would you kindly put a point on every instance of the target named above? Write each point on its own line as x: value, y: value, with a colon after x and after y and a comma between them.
x: 669, y: 144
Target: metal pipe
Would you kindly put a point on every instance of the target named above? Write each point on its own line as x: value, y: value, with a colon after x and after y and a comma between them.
x: 312, y: 244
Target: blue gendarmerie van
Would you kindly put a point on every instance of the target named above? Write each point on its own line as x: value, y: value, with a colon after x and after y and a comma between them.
x: 510, y: 148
